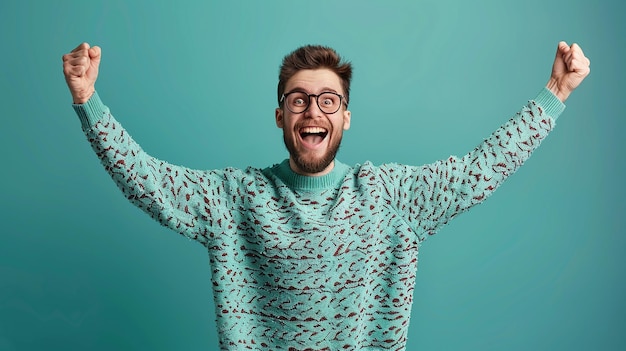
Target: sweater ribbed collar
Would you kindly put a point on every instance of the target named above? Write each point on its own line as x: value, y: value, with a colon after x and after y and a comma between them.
x: 294, y: 180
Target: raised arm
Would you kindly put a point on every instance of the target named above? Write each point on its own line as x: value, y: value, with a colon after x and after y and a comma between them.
x: 431, y: 195
x: 188, y: 201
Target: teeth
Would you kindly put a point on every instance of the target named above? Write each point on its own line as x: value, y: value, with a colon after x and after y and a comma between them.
x: 312, y: 130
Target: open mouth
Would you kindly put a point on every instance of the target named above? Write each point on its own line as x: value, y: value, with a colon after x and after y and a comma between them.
x: 313, y: 135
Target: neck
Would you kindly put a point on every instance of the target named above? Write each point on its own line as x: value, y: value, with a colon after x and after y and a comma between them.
x: 294, y: 180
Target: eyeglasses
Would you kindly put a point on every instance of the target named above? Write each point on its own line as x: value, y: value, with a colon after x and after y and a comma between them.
x: 299, y: 101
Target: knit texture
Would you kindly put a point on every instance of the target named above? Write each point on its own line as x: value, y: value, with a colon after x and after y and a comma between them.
x: 314, y: 263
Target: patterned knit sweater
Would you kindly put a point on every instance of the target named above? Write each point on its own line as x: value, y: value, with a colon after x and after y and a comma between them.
x: 314, y: 263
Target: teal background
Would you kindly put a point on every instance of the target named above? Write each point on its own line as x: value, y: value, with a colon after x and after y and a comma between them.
x: 539, y: 266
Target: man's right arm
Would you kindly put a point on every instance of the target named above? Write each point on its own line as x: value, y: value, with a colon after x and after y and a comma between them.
x: 182, y: 199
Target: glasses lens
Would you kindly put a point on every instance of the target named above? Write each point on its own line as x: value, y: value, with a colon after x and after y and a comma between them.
x: 329, y: 102
x: 297, y: 102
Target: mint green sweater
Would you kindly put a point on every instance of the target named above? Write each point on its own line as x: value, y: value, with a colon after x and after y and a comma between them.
x: 314, y: 263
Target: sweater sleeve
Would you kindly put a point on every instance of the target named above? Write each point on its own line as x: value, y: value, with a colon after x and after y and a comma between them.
x: 179, y: 198
x: 429, y: 196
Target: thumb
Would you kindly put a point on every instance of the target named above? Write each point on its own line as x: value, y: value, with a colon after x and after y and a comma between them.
x: 559, y: 67
x: 562, y: 49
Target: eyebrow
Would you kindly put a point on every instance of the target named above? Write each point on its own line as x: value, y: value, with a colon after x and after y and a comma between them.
x: 322, y: 90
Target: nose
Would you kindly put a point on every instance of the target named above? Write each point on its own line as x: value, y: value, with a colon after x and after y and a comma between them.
x: 313, y: 110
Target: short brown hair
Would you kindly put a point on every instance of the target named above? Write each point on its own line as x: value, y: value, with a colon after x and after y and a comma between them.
x: 314, y: 57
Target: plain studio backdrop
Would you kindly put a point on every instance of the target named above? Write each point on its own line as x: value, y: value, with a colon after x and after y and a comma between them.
x: 538, y: 266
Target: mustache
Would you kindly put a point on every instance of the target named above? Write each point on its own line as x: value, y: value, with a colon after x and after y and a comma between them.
x: 327, y: 126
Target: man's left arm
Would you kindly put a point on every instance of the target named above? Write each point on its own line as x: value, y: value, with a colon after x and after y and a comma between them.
x: 446, y: 188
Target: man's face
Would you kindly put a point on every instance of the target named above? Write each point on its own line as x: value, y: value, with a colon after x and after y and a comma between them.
x: 313, y: 137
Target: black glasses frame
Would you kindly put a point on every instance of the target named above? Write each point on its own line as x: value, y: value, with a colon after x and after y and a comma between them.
x: 283, y: 98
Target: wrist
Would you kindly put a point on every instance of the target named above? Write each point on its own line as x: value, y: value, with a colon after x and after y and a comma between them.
x: 80, y: 98
x: 553, y: 86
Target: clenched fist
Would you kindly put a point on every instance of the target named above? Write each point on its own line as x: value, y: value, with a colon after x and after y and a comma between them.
x: 569, y: 69
x: 81, y: 71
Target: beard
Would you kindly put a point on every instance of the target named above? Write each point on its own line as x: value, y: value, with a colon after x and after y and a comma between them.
x: 312, y: 164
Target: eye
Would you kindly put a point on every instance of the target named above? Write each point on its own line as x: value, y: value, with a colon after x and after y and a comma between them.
x: 297, y: 99
x: 329, y: 100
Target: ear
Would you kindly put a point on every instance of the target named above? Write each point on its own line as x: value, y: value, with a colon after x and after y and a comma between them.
x: 279, y: 118
x: 346, y: 119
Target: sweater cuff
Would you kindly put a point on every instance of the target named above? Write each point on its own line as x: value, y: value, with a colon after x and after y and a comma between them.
x: 551, y: 105
x: 91, y: 111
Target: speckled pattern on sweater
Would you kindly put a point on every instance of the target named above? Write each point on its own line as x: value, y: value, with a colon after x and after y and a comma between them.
x: 314, y: 263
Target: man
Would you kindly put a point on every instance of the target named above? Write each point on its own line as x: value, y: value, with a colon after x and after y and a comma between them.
x: 312, y: 254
